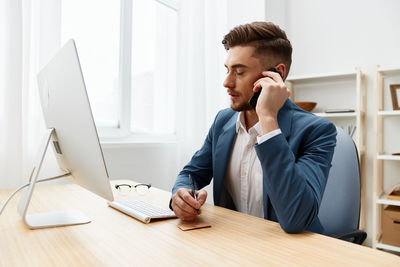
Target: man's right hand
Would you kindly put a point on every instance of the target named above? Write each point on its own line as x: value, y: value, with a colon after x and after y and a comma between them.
x: 184, y: 204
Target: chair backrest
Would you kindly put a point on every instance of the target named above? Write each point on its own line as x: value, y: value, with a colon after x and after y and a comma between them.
x: 340, y: 207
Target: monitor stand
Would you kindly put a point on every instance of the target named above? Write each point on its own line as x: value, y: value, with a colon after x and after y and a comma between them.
x: 50, y: 219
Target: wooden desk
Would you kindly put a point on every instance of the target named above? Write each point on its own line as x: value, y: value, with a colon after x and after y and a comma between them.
x: 114, y: 239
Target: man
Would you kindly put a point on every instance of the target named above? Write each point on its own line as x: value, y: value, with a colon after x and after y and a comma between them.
x: 271, y: 162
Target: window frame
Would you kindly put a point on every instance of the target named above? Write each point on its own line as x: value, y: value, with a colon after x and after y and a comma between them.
x: 123, y: 133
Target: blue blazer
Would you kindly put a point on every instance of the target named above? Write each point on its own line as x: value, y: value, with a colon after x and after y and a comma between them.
x: 295, y: 166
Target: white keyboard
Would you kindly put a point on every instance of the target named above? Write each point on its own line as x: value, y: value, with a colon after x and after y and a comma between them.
x: 141, y: 210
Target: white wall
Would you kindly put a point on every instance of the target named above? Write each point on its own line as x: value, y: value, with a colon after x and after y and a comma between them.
x: 336, y: 36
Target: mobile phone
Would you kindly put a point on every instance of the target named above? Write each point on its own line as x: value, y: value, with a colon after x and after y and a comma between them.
x: 254, y: 98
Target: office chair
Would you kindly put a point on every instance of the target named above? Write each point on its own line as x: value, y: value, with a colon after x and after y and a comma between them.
x: 339, y: 212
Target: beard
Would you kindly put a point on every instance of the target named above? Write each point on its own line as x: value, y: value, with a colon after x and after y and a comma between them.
x: 240, y: 106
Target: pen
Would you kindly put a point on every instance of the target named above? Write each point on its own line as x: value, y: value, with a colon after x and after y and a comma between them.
x: 193, y: 191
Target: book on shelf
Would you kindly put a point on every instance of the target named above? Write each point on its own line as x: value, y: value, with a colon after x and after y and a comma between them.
x: 394, y: 194
x: 339, y: 110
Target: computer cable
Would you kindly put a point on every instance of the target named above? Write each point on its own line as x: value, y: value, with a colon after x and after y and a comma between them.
x: 25, y: 185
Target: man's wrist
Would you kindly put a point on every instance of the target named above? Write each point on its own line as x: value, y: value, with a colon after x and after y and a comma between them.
x: 265, y: 137
x: 268, y: 124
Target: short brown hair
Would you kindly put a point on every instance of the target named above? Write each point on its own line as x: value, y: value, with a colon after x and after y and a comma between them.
x: 266, y: 37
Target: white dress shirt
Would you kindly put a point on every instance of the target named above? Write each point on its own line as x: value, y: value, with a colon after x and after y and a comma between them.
x: 244, y: 179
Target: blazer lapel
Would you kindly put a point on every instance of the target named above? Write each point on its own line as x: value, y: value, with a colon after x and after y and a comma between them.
x: 222, y: 154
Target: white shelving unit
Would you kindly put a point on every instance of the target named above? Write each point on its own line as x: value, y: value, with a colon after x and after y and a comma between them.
x: 384, y: 113
x: 388, y: 157
x: 335, y: 79
x: 336, y: 115
x: 381, y: 156
x: 383, y: 200
x: 387, y: 247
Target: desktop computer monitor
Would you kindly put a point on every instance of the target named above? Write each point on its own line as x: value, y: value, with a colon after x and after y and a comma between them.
x: 72, y: 134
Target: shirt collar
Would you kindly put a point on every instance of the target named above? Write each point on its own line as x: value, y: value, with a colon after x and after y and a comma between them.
x: 240, y: 123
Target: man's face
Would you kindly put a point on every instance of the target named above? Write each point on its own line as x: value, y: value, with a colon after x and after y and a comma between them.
x: 242, y: 71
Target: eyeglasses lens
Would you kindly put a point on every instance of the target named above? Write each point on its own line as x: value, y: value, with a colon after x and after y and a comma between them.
x: 124, y: 189
x: 142, y: 189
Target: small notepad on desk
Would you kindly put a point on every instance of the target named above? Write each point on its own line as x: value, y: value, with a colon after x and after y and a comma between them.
x: 198, y: 223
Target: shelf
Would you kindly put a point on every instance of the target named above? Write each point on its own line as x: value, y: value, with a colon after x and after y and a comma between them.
x: 327, y: 76
x: 389, y: 71
x: 336, y: 114
x: 389, y: 113
x: 387, y: 247
x: 388, y: 157
x: 385, y: 201
x: 379, y: 176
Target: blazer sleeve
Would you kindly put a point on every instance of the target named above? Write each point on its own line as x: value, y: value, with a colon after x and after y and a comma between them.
x: 200, y: 166
x: 295, y: 186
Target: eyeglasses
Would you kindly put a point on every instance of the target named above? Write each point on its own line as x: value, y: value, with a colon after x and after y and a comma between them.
x: 141, y: 189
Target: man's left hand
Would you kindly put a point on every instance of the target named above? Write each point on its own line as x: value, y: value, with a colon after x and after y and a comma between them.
x: 272, y: 97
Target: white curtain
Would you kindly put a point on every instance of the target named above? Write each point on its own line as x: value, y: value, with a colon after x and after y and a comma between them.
x: 203, y: 24
x: 201, y: 71
x: 29, y: 37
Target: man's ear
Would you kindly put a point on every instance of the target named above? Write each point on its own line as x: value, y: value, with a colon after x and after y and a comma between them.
x: 281, y: 68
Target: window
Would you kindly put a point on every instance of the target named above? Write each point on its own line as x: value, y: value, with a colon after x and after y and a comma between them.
x: 153, y: 67
x: 94, y: 25
x: 128, y: 53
